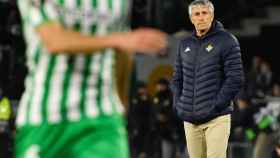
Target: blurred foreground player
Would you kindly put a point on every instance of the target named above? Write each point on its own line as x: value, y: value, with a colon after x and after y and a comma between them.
x: 71, y: 107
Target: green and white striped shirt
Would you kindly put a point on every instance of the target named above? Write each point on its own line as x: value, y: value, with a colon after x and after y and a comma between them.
x: 67, y: 87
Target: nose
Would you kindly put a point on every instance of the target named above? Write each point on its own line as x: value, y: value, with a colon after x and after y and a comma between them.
x: 201, y: 17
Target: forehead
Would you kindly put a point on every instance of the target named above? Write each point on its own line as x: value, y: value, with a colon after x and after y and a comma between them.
x: 200, y: 8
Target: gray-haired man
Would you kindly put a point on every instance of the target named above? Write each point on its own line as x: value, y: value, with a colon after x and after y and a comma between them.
x: 208, y: 74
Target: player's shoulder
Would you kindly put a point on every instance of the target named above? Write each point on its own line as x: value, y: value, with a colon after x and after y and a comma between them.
x: 38, y: 3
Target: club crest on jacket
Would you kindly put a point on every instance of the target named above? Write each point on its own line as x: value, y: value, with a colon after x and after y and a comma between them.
x: 209, y: 47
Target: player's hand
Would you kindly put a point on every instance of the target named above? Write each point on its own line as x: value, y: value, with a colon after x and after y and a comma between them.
x: 144, y: 40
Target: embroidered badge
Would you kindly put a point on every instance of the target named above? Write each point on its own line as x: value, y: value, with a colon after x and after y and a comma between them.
x: 209, y: 47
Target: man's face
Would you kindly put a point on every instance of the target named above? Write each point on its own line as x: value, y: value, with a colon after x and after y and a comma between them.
x: 201, y: 17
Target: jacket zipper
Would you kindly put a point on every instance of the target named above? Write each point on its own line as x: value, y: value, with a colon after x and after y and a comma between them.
x: 195, y: 69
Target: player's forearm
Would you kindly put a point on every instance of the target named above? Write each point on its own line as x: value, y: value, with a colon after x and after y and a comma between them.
x: 75, y: 43
x: 59, y: 40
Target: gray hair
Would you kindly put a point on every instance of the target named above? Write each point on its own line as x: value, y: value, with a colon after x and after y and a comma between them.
x: 201, y: 2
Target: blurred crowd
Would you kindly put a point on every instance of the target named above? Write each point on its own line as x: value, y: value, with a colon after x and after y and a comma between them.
x: 12, y: 49
x: 154, y: 130
x: 12, y: 70
x: 256, y: 117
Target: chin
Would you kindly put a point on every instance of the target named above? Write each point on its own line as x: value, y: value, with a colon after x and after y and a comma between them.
x: 202, y: 28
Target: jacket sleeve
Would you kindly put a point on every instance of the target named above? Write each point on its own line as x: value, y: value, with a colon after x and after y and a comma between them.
x: 177, y: 79
x: 233, y: 74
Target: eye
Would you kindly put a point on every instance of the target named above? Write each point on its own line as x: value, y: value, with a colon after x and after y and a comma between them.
x: 204, y: 12
x: 196, y: 13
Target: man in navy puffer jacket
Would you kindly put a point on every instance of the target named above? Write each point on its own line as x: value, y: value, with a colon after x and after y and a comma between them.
x: 208, y: 74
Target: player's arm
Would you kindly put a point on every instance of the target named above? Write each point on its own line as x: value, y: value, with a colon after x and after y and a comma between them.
x: 57, y: 39
x: 43, y: 16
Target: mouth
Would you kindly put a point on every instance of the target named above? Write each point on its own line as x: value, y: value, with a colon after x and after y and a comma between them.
x: 201, y: 23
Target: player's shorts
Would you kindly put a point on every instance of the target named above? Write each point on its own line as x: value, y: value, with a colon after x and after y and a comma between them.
x: 102, y: 138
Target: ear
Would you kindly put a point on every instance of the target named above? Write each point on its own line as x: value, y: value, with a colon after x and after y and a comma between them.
x: 212, y: 16
x: 191, y: 19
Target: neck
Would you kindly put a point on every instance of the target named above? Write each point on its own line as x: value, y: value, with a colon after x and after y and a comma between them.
x: 202, y: 32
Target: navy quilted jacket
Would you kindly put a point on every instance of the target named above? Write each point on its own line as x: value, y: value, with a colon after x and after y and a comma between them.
x: 208, y: 74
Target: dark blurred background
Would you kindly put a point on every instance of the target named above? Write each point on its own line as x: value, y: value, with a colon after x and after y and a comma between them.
x: 255, y: 22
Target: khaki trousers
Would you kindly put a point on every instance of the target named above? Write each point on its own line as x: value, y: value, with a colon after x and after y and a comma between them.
x: 208, y: 140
